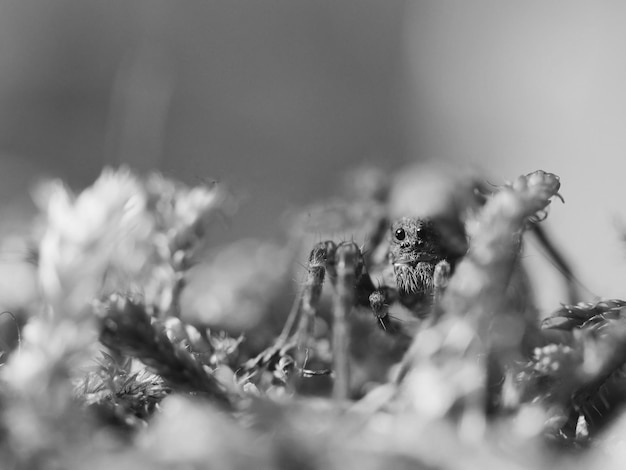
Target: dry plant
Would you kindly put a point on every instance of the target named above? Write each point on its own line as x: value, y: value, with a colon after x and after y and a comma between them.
x: 450, y: 370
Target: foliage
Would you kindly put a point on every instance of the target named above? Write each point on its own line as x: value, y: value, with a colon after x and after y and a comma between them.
x: 111, y: 371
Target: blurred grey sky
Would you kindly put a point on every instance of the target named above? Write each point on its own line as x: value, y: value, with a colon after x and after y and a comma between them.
x: 275, y: 98
x: 278, y: 97
x: 516, y: 86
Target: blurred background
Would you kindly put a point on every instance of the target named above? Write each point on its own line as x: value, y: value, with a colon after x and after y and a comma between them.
x: 279, y: 98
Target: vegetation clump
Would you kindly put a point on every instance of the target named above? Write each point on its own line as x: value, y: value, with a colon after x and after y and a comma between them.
x: 119, y: 363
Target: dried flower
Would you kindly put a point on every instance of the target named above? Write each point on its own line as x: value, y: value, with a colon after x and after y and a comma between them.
x: 101, y: 234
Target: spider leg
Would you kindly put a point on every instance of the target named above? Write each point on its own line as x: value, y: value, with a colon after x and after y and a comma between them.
x: 378, y: 300
x: 321, y: 261
x: 345, y: 266
x: 379, y: 303
x: 303, y: 311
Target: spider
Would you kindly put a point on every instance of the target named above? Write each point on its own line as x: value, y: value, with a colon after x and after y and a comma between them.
x: 413, y: 243
x: 415, y: 251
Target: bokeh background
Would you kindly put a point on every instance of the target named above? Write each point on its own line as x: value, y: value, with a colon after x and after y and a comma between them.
x: 279, y: 98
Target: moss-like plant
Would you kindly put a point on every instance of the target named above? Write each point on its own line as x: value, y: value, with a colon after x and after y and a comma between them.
x: 110, y: 373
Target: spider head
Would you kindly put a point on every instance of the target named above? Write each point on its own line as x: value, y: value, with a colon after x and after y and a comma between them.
x: 415, y: 249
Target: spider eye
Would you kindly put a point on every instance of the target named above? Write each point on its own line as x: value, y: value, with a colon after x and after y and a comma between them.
x: 400, y: 234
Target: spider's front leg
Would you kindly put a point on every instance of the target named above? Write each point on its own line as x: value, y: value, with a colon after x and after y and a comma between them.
x: 345, y: 267
x: 321, y: 262
x: 298, y: 328
x: 379, y: 300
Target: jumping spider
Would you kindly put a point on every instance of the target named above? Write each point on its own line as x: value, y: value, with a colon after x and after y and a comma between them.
x: 415, y: 250
x: 405, y: 262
